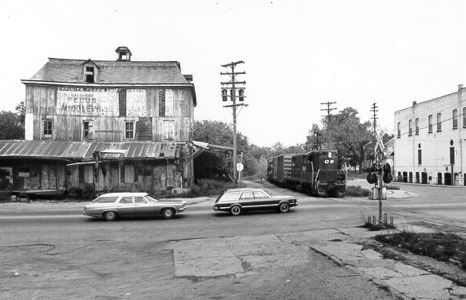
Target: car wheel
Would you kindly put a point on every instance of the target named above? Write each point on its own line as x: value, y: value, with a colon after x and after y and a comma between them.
x: 168, y: 213
x: 235, y: 210
x: 110, y: 216
x: 284, y: 207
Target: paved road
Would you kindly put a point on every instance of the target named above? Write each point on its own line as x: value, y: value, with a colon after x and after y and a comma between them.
x: 53, y: 252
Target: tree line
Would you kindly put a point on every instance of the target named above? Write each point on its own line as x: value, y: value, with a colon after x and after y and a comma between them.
x: 343, y: 131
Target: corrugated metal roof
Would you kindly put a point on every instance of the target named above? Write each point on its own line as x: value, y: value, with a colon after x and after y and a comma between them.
x: 84, y: 150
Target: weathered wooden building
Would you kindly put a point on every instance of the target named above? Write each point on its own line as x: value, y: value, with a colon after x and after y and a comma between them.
x: 116, y: 125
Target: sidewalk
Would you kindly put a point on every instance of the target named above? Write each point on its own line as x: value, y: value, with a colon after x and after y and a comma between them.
x: 407, y: 281
x: 242, y: 256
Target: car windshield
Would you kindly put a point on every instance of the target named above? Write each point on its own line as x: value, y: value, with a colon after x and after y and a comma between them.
x: 105, y: 199
x: 151, y: 199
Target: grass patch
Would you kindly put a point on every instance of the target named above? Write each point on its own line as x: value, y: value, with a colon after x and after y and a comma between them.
x: 356, y: 191
x: 356, y: 175
x: 392, y: 187
x: 446, y: 247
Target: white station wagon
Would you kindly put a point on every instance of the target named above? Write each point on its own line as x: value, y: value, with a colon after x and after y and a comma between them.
x: 114, y: 205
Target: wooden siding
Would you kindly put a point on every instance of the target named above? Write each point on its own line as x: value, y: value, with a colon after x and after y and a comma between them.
x: 138, y: 176
x: 41, y: 101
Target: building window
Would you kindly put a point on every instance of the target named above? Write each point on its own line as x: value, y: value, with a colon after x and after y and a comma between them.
x: 439, y: 122
x: 410, y: 132
x: 398, y: 129
x: 455, y: 119
x: 122, y: 102
x: 464, y: 117
x: 89, y: 74
x: 430, y: 123
x: 47, y: 131
x: 168, y: 130
x: 88, y: 130
x: 416, y: 125
x: 162, y: 103
x: 129, y: 130
x: 419, y: 156
x: 452, y: 155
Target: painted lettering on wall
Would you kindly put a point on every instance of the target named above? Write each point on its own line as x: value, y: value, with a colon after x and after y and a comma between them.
x: 169, y: 102
x: 136, y: 103
x: 87, y: 101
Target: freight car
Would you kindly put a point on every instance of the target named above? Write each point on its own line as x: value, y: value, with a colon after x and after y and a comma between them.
x: 315, y: 172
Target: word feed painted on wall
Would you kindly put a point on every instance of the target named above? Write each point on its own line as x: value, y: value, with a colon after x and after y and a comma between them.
x: 87, y: 101
x: 99, y: 102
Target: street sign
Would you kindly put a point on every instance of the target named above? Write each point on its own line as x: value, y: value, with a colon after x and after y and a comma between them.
x: 239, y: 167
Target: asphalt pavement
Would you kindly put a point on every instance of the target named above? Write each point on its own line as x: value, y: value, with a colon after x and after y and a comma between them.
x: 49, y: 250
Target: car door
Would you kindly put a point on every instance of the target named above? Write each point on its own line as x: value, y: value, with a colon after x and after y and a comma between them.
x: 125, y: 206
x: 264, y: 200
x: 142, y: 207
x: 247, y: 199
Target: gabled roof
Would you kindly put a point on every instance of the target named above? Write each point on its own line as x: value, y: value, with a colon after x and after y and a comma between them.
x: 83, y: 151
x: 112, y: 72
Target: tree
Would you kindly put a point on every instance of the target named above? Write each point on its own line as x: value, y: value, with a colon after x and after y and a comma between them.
x: 11, y: 127
x: 212, y: 165
x: 347, y: 134
x: 314, y: 139
x: 21, y: 112
x: 350, y: 136
x: 218, y: 133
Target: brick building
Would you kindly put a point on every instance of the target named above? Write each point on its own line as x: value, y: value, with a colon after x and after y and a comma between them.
x: 110, y: 125
x: 430, y: 139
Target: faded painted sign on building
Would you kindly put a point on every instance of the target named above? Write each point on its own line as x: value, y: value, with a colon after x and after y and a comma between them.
x: 169, y: 102
x: 87, y: 101
x: 136, y: 103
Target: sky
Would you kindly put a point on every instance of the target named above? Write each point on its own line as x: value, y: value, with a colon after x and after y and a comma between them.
x: 297, y: 54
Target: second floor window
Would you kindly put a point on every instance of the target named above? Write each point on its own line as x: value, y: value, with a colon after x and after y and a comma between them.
x: 416, y: 126
x: 89, y: 75
x: 455, y: 119
x: 129, y: 130
x: 439, y: 122
x: 88, y: 130
x: 464, y: 117
x: 47, y: 131
x: 410, y: 133
x: 398, y: 129
x: 430, y: 123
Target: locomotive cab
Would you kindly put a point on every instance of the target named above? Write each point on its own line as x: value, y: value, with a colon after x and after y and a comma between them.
x: 328, y: 179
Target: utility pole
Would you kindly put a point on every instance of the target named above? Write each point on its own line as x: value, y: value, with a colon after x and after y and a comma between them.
x: 379, y: 182
x: 374, y: 110
x: 232, y: 86
x: 328, y: 110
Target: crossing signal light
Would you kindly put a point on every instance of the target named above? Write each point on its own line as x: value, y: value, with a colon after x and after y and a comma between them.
x: 224, y: 95
x: 241, y: 95
x: 387, y: 173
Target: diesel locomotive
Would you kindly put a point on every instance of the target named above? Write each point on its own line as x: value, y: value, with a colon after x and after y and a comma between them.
x: 315, y: 172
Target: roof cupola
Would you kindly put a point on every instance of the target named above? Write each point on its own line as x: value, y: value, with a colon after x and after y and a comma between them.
x: 124, y: 54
